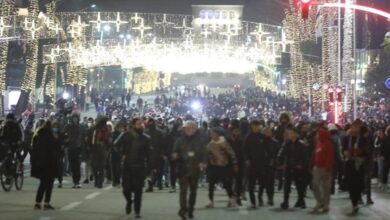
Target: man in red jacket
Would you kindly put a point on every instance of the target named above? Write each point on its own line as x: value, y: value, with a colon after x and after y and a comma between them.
x: 322, y: 170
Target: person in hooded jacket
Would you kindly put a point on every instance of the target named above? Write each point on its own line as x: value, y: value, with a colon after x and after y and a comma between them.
x: 323, y: 161
x: 100, y: 145
x: 221, y: 164
x: 44, y: 164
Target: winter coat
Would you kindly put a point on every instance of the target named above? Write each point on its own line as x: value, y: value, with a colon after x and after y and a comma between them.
x: 220, y: 153
x: 189, y: 152
x: 256, y: 151
x: 44, y: 155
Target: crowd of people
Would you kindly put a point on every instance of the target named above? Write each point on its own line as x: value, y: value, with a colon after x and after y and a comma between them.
x: 266, y: 148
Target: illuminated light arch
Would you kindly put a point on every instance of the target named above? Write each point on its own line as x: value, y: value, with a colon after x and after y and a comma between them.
x: 357, y: 7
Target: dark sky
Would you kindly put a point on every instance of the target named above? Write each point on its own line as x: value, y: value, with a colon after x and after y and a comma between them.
x: 268, y: 11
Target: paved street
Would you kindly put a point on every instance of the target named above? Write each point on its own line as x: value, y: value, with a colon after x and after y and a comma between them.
x: 108, y: 204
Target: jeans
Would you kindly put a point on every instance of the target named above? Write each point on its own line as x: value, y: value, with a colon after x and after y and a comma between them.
x: 188, y: 182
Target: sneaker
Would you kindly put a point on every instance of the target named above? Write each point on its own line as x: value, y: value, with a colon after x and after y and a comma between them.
x: 172, y: 190
x: 261, y: 202
x: 324, y: 209
x: 284, y: 205
x: 232, y: 203
x: 370, y: 202
x: 128, y: 208
x: 60, y: 186
x: 137, y: 215
x: 252, y: 207
x: 78, y: 186
x: 300, y: 204
x: 149, y: 190
x: 86, y: 181
x: 355, y: 210
x: 190, y: 215
x: 182, y: 215
x: 37, y: 207
x: 316, y: 209
x: 48, y: 207
x: 210, y: 205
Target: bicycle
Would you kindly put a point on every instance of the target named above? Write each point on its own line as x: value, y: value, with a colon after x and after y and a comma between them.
x: 11, y: 171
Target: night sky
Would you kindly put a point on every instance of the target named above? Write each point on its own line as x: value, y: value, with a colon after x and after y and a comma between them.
x: 267, y: 11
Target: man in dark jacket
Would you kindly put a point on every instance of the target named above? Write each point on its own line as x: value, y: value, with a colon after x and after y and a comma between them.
x: 73, y: 134
x: 157, y: 153
x: 256, y: 153
x: 293, y: 159
x: 189, y: 153
x: 236, y: 141
x: 136, y: 151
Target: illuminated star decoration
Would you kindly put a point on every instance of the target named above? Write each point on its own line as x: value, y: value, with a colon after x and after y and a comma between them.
x: 52, y: 55
x: 142, y: 28
x: 56, y: 28
x: 118, y: 22
x: 228, y: 34
x: 185, y: 27
x: 205, y: 32
x: 284, y: 41
x: 259, y: 33
x: 164, y: 23
x: 98, y: 21
x: 3, y: 26
x: 77, y: 27
x: 33, y: 29
x: 136, y: 18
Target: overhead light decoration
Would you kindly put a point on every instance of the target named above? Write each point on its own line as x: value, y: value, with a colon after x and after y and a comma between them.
x: 167, y: 43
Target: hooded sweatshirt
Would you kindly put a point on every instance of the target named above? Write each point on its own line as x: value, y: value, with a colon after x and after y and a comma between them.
x: 324, y: 151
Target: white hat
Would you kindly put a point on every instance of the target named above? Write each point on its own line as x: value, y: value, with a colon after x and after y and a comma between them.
x: 332, y: 127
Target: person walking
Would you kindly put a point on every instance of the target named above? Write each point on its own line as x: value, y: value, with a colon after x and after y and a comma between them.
x: 157, y: 155
x: 355, y: 147
x: 270, y: 167
x: 236, y: 141
x: 73, y: 140
x: 323, y: 163
x: 221, y: 164
x: 44, y: 164
x: 99, y: 151
x: 292, y: 159
x: 256, y: 153
x: 189, y: 154
x: 116, y: 160
x: 136, y: 151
